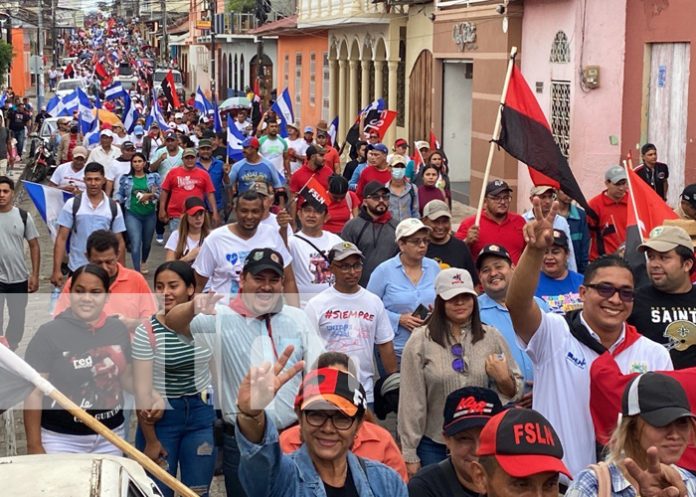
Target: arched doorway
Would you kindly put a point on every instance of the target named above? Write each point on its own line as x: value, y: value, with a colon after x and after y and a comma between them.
x: 267, y: 83
x: 419, y: 97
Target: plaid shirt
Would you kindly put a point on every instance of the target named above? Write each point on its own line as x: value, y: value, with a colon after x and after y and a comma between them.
x: 585, y: 483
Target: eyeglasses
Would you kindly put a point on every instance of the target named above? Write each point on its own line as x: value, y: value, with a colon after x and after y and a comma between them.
x: 339, y: 420
x: 383, y: 196
x: 459, y: 364
x: 350, y: 267
x: 500, y: 198
x: 418, y: 241
x: 607, y: 291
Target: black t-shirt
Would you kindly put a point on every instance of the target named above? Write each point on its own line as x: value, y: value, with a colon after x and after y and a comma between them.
x: 454, y: 253
x: 669, y: 319
x: 655, y: 177
x: 85, y: 365
x: 347, y: 490
x: 438, y: 480
x: 220, y: 153
x: 18, y: 120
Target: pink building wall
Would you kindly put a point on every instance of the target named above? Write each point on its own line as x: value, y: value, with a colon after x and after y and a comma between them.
x: 595, y: 115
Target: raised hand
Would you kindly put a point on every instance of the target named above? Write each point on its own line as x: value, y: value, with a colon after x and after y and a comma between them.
x: 538, y: 233
x: 659, y: 480
x: 262, y: 383
x: 204, y: 303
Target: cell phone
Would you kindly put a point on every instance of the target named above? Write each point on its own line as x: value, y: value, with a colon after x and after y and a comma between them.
x: 421, y: 312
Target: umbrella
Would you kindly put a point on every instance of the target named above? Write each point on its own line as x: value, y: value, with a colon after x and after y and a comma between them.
x: 235, y: 103
x: 106, y: 117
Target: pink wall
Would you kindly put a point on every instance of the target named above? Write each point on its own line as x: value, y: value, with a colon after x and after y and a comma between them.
x: 596, y: 114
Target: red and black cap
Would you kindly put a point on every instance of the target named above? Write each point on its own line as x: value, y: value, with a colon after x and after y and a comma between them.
x: 333, y: 386
x: 193, y: 205
x: 523, y: 443
x: 469, y: 407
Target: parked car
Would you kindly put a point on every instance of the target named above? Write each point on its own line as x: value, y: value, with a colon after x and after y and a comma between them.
x: 75, y: 475
x: 66, y: 86
x: 126, y: 76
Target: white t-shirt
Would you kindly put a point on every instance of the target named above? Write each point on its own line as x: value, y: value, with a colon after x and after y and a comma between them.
x: 310, y: 267
x: 118, y: 168
x: 562, y: 381
x: 273, y: 150
x: 272, y: 222
x: 300, y: 146
x: 65, y: 175
x: 173, y: 241
x: 118, y: 141
x: 223, y: 253
x: 352, y: 323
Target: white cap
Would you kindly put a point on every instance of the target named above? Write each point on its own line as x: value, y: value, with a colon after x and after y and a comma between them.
x: 452, y: 282
x: 408, y: 227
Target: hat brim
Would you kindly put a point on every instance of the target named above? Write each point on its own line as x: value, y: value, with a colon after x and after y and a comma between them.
x: 453, y: 292
x: 613, y: 181
x: 438, y: 214
x: 521, y: 466
x: 465, y: 423
x: 75, y: 156
x: 481, y: 257
x: 666, y: 415
x: 194, y: 210
x: 499, y: 190
x: 382, y: 189
x: 414, y: 231
x: 256, y: 269
x: 344, y: 256
x: 343, y: 405
x: 658, y: 245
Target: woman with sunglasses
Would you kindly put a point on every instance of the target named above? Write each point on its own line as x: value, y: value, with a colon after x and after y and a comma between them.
x: 453, y: 350
x: 656, y: 426
x: 138, y: 192
x: 330, y: 408
x: 184, y: 243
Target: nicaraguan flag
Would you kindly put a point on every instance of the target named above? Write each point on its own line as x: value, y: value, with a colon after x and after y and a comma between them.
x: 55, y: 106
x: 235, y: 138
x: 86, y: 117
x: 71, y: 103
x: 201, y: 103
x: 217, y: 122
x: 333, y: 131
x: 3, y: 98
x: 114, y: 91
x: 283, y: 109
x: 92, y: 135
x: 156, y: 116
x: 378, y: 104
x: 130, y: 114
x: 49, y: 202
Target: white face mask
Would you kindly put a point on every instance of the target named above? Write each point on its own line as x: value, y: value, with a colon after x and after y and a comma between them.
x: 398, y: 172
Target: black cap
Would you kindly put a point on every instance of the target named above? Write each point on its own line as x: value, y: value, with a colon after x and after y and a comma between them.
x: 689, y: 194
x: 264, y: 258
x: 560, y: 239
x: 373, y: 187
x: 492, y: 250
x: 657, y: 398
x: 313, y: 149
x: 193, y: 205
x: 314, y: 203
x: 469, y: 407
x: 127, y: 145
x: 496, y: 187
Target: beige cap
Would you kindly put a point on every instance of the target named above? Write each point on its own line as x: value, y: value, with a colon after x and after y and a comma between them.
x: 452, y: 282
x: 435, y: 209
x: 261, y: 187
x: 408, y: 227
x: 398, y: 159
x: 689, y: 225
x: 666, y: 238
x: 80, y: 151
x: 540, y: 190
x: 342, y: 251
x: 422, y: 144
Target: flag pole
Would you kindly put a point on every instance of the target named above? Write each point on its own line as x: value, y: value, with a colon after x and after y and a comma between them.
x: 496, y: 135
x: 626, y: 166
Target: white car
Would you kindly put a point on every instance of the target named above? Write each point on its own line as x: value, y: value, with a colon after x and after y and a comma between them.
x: 159, y: 76
x: 73, y: 475
x: 66, y: 86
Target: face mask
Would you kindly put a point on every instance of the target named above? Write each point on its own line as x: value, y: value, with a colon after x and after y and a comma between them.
x: 398, y: 173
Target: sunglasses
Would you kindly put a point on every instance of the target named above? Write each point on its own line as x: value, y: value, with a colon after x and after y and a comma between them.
x: 605, y: 290
x: 338, y: 419
x: 459, y: 363
x: 384, y: 196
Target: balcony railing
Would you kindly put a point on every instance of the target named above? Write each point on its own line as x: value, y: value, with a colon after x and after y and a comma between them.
x: 332, y: 9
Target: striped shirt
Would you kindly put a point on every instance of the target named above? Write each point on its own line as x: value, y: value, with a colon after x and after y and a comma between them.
x: 179, y: 368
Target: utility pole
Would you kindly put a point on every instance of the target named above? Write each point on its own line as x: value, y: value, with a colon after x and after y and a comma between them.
x: 54, y: 31
x: 213, y: 86
x: 39, y: 72
x: 165, y: 47
x: 263, y: 7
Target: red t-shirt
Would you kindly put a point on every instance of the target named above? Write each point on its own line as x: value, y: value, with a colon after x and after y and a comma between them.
x: 507, y: 234
x: 371, y: 173
x: 340, y: 213
x: 612, y: 223
x: 182, y: 183
x: 300, y: 177
x: 331, y: 158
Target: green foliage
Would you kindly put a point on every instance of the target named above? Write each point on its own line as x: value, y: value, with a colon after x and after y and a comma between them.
x: 6, y: 55
x: 241, y: 5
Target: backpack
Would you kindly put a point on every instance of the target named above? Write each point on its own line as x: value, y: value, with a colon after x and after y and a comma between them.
x: 23, y: 214
x: 77, y: 201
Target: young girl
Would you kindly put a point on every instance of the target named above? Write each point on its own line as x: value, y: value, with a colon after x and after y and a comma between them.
x: 183, y: 438
x: 428, y: 190
x: 438, y: 159
x: 184, y: 243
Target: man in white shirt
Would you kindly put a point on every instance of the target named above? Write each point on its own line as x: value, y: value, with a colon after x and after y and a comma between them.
x: 242, y: 122
x: 281, y: 222
x: 297, y: 146
x: 105, y: 152
x: 120, y: 167
x: 563, y: 348
x: 352, y: 320
x: 309, y: 249
x: 70, y: 176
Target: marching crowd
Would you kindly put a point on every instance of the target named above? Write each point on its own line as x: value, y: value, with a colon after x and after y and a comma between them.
x: 303, y: 300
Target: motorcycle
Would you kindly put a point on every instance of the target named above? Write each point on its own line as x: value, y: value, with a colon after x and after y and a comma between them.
x: 42, y: 161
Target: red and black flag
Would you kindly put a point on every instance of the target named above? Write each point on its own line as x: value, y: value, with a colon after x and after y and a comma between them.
x: 315, y: 193
x: 69, y: 72
x: 526, y: 135
x: 169, y: 90
x: 102, y: 74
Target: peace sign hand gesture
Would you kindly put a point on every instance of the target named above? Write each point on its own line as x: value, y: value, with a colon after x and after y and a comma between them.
x: 204, y: 303
x: 262, y: 383
x: 538, y: 233
x: 659, y: 480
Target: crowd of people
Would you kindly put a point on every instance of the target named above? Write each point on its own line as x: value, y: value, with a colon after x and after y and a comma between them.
x: 304, y: 300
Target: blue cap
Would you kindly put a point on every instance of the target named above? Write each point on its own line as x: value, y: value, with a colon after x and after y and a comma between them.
x: 379, y: 147
x: 138, y: 130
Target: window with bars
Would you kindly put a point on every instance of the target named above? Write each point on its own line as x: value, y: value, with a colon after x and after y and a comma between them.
x: 312, y: 78
x: 286, y: 70
x: 297, y: 107
x: 560, y: 49
x: 560, y: 114
x: 325, y: 89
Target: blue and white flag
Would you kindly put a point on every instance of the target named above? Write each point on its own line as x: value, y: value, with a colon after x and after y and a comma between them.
x: 283, y: 109
x: 217, y: 122
x: 49, y: 202
x: 378, y: 104
x: 201, y: 103
x: 333, y: 131
x: 71, y: 103
x: 130, y: 114
x: 235, y: 138
x: 84, y: 106
x: 3, y: 98
x: 114, y: 91
x: 156, y: 116
x: 55, y: 106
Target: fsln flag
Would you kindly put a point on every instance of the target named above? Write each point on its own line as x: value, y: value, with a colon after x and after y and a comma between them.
x: 379, y: 121
x: 315, y: 193
x: 101, y: 73
x: 283, y: 109
x: 333, y: 132
x: 235, y: 138
x: 114, y: 91
x: 49, y: 202
x: 169, y: 89
x: 130, y: 114
x: 18, y: 379
x: 201, y: 103
x: 434, y: 142
x: 526, y: 135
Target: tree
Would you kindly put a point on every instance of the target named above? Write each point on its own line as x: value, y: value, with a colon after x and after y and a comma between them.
x: 241, y: 5
x: 6, y: 55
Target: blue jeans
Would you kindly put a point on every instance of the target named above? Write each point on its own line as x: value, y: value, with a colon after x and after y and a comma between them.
x: 430, y: 452
x: 186, y: 433
x: 230, y: 466
x: 140, y: 232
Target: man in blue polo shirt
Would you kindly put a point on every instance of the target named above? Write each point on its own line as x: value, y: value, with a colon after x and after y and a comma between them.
x: 253, y: 169
x: 215, y: 168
